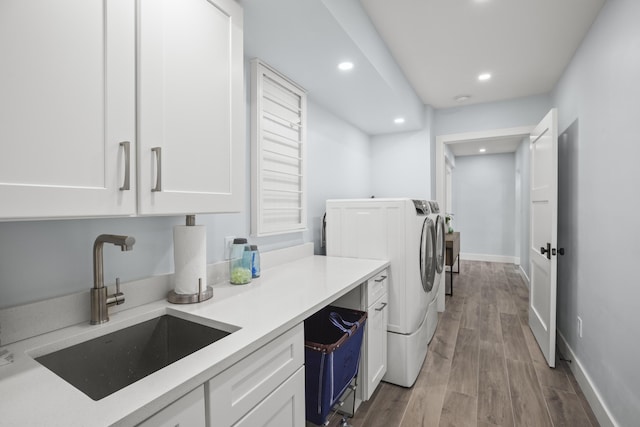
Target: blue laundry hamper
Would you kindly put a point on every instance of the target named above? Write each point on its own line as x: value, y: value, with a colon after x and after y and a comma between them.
x: 332, y: 341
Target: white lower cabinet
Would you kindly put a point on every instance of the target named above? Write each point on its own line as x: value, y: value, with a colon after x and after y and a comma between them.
x: 372, y: 297
x: 284, y: 407
x: 266, y: 388
x: 376, y: 365
x: 188, y: 411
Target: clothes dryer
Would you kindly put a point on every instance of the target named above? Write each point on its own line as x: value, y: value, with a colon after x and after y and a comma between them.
x: 401, y: 231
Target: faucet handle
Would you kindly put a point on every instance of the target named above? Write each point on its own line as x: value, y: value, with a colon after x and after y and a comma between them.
x: 118, y: 297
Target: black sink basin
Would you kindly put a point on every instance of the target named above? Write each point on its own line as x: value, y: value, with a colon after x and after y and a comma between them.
x: 104, y: 365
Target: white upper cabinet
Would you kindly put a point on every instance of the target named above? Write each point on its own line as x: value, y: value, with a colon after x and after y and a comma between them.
x: 190, y: 107
x: 67, y: 101
x: 72, y: 140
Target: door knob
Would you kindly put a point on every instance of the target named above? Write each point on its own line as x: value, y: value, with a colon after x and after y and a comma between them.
x: 561, y: 251
x: 546, y: 250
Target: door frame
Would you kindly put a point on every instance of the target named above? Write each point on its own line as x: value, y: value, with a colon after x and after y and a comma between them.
x: 440, y: 160
x: 480, y: 136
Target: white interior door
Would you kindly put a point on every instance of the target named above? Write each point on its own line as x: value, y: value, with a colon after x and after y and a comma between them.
x: 544, y: 234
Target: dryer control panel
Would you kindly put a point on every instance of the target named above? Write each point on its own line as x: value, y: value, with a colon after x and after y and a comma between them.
x: 422, y: 207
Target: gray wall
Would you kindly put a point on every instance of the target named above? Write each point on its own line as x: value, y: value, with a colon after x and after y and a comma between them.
x: 401, y: 163
x: 598, y: 100
x: 484, y: 204
x: 339, y: 161
x: 44, y: 259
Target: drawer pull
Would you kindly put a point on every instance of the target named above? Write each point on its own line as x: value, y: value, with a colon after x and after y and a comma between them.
x: 126, y: 146
x: 158, y: 152
x: 384, y: 304
x: 381, y: 279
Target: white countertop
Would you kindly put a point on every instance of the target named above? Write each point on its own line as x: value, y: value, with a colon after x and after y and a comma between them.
x: 283, y: 297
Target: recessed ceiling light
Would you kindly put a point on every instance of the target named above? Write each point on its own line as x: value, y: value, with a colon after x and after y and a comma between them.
x: 345, y: 66
x: 462, y: 98
x: 399, y: 120
x: 482, y: 150
x: 484, y: 77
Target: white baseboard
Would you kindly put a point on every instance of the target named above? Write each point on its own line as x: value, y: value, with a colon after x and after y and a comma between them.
x: 489, y: 258
x: 600, y: 409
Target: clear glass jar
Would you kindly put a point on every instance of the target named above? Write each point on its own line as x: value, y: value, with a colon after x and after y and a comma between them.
x: 240, y: 262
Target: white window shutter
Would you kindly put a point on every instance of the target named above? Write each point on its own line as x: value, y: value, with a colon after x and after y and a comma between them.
x: 278, y: 148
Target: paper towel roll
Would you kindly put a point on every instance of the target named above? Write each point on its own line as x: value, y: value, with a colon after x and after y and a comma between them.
x: 190, y: 258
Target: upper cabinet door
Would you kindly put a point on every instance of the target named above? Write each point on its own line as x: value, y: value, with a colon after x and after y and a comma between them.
x: 67, y: 85
x: 190, y: 107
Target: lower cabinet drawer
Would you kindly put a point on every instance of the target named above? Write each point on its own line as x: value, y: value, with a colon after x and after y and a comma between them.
x: 282, y: 408
x: 236, y: 391
x: 376, y: 345
x: 377, y: 286
x: 188, y: 411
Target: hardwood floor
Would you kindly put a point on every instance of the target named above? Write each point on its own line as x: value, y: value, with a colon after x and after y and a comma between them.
x: 483, y: 367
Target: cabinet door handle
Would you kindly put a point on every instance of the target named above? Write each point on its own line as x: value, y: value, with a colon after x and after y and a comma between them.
x: 381, y: 279
x: 158, y: 151
x: 384, y: 304
x: 126, y: 145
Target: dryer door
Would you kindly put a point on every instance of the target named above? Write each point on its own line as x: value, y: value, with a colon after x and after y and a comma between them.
x: 427, y: 252
x: 440, y: 244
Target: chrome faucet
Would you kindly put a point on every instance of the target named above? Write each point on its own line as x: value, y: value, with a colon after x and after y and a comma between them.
x: 100, y: 299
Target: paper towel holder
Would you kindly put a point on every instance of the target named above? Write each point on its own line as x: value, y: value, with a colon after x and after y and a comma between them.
x: 202, y: 295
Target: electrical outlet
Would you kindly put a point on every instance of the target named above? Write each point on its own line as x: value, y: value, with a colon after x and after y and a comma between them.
x: 227, y: 246
x: 579, y: 327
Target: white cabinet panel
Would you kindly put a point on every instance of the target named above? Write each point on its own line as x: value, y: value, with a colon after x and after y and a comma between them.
x: 188, y: 411
x: 376, y: 345
x: 372, y: 297
x: 282, y: 408
x: 190, y: 106
x: 235, y: 391
x: 377, y: 287
x: 68, y: 99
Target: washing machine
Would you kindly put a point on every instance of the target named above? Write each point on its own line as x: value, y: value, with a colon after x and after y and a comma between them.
x: 403, y: 232
x: 439, y: 222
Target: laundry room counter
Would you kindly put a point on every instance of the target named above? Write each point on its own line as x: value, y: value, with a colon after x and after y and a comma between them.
x: 262, y: 310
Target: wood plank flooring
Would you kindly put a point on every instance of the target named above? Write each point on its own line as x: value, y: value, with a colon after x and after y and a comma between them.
x: 483, y: 368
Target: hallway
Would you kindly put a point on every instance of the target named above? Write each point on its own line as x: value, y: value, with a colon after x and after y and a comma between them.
x: 483, y: 367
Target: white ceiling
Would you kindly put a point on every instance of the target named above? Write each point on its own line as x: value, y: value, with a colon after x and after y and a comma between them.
x: 443, y: 45
x: 306, y: 39
x: 408, y: 53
